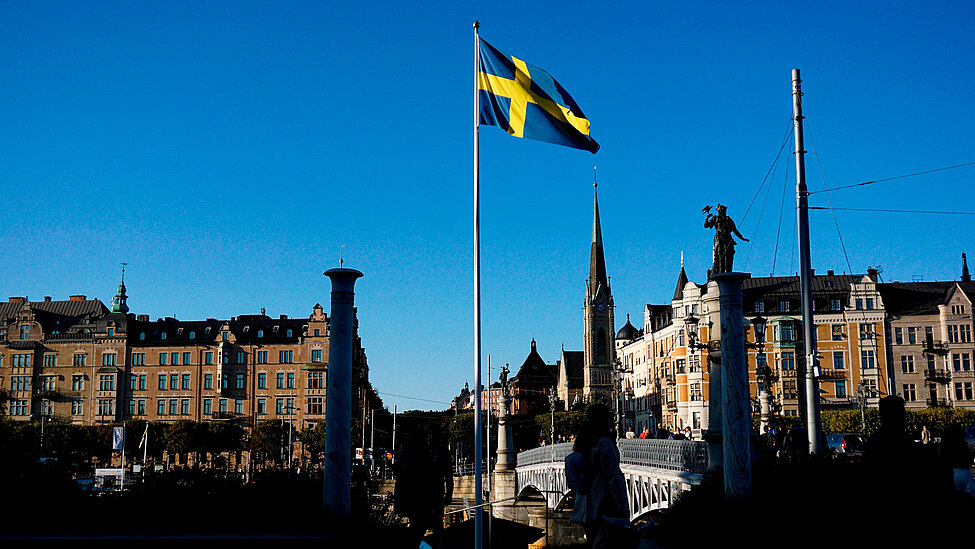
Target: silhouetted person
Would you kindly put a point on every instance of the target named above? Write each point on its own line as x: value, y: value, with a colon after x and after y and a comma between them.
x: 604, y: 506
x: 424, y: 484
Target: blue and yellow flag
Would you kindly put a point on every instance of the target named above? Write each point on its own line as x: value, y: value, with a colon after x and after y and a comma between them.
x: 527, y: 102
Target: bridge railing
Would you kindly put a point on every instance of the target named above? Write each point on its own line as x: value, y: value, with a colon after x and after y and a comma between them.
x: 674, y: 455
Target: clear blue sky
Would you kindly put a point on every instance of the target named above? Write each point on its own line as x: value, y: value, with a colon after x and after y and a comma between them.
x: 226, y: 150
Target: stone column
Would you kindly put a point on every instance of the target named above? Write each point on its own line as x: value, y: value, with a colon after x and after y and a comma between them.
x: 505, y: 479
x: 736, y: 402
x: 338, y: 402
x: 713, y: 433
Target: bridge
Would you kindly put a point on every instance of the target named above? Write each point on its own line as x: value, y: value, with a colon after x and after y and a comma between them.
x: 656, y: 471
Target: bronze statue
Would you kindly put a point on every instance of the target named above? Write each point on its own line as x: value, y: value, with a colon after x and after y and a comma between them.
x: 504, y: 378
x: 724, y: 243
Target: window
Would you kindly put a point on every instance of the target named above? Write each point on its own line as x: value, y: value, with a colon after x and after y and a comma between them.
x: 956, y: 362
x: 787, y: 361
x: 208, y: 357
x: 838, y: 362
x: 280, y: 380
x: 162, y: 359
x: 953, y: 334
x: 239, y: 406
x: 106, y: 382
x: 174, y: 359
x: 870, y: 303
x: 20, y: 383
x: 866, y: 331
x: 898, y: 336
x: 867, y: 359
x: 19, y: 407
x: 78, y: 382
x: 207, y: 406
x: 910, y: 392
x: 957, y: 309
x: 131, y: 407
x: 759, y: 308
x: 162, y: 335
x: 192, y: 335
x: 316, y: 355
x: 79, y: 359
x: 834, y: 304
x: 907, y: 364
x: 291, y: 380
x: 288, y: 333
x: 261, y: 406
x: 315, y: 380
x: 966, y: 364
x: 859, y: 304
x: 279, y: 406
x: 25, y: 332
x: 184, y: 407
x: 223, y: 405
x: 239, y: 381
x: 77, y: 407
x: 784, y: 306
x: 133, y: 382
x: 958, y: 392
x: 837, y: 330
x: 49, y: 360
x: 186, y: 382
x: 138, y: 359
x: 788, y: 332
x: 225, y: 381
x: 840, y: 389
x: 262, y: 380
x: 968, y: 390
x: 186, y: 358
x: 108, y: 359
x: 912, y: 335
x: 285, y: 357
x: 314, y: 405
x: 262, y: 357
x: 223, y: 336
x: 162, y: 382
x: 142, y: 336
x: 21, y: 360
x: 161, y: 407
x: 317, y: 332
x: 260, y: 333
x: 142, y: 408
x: 173, y: 382
x: 173, y: 406
x: 966, y: 333
x: 208, y: 381
x: 106, y: 407
x: 930, y: 362
x: 241, y: 357
x: 225, y: 357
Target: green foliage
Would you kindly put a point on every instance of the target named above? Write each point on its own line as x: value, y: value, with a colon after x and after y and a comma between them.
x: 566, y: 424
x: 939, y: 420
x: 313, y: 440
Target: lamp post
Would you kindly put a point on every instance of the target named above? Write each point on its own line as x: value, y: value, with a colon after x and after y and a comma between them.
x: 762, y: 372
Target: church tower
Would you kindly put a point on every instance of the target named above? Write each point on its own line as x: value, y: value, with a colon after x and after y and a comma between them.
x: 599, y: 353
x: 118, y: 302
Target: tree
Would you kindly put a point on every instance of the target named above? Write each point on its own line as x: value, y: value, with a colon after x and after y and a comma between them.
x: 266, y: 441
x: 313, y: 440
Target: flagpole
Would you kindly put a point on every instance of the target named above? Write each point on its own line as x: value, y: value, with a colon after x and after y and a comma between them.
x: 478, y: 496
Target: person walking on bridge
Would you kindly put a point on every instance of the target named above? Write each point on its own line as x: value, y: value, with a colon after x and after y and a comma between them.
x: 603, y: 509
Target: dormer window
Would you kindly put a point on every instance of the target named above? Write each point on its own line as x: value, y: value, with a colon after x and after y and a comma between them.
x: 142, y: 336
x: 179, y: 330
x: 275, y: 329
x: 223, y: 336
x: 162, y: 335
x: 111, y: 332
x: 288, y: 333
x: 192, y: 335
x: 247, y: 329
x: 260, y: 333
x: 207, y: 331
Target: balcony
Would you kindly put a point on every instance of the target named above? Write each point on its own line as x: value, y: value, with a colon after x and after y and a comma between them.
x: 936, y: 403
x: 937, y: 376
x: 834, y: 403
x: 934, y: 348
x: 223, y: 416
x: 75, y: 336
x: 830, y: 374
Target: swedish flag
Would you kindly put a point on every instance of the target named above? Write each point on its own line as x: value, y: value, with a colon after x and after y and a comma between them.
x: 527, y: 102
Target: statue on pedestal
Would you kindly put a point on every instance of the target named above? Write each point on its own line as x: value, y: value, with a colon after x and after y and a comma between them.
x: 724, y: 242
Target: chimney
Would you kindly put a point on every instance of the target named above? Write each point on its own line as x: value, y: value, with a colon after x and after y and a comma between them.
x: 77, y: 298
x: 47, y: 299
x: 872, y: 273
x: 142, y: 318
x: 284, y: 317
x: 830, y: 272
x: 17, y: 299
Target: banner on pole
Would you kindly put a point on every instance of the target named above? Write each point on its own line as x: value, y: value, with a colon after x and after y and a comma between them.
x: 118, y: 438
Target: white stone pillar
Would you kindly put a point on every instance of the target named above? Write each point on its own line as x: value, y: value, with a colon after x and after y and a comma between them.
x: 736, y: 402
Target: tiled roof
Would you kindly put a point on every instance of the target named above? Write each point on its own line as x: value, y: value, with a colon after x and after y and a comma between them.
x: 573, y: 363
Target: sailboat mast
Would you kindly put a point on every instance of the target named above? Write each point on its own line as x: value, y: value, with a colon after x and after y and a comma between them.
x: 805, y: 275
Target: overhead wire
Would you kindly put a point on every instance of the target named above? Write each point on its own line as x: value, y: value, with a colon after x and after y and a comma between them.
x: 892, y: 211
x: 828, y: 199
x: 896, y: 177
x: 768, y: 191
x: 778, y: 230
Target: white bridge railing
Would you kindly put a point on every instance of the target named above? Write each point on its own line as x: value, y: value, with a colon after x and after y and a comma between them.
x: 656, y: 471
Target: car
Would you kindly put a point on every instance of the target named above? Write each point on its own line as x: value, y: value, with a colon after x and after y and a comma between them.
x: 848, y: 444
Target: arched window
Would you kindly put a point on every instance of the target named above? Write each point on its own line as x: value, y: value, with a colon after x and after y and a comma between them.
x: 601, y: 343
x: 289, y: 333
x: 192, y: 335
x: 142, y: 336
x: 162, y: 335
x: 260, y: 333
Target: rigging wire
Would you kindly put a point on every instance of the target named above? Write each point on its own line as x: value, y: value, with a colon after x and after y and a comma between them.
x: 828, y: 199
x: 412, y: 398
x: 788, y: 134
x: 891, y: 211
x: 895, y: 177
x: 761, y: 214
x: 778, y: 230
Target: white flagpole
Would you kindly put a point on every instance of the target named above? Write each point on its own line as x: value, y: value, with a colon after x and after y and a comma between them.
x: 478, y: 496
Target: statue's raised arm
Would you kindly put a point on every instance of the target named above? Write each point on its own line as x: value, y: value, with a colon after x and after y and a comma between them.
x: 724, y: 243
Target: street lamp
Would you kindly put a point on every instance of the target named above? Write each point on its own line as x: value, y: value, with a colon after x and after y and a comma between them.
x: 763, y: 375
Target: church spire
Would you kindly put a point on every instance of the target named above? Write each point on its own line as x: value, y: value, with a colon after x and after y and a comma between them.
x: 118, y: 302
x: 597, y: 263
x: 965, y: 276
